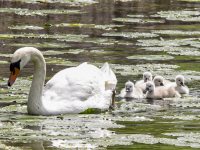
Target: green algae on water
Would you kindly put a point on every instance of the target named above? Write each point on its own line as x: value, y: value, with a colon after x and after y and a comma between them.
x: 131, y: 34
x: 185, y: 51
x: 137, y: 20
x: 151, y: 57
x: 183, y: 15
x: 176, y: 32
x: 28, y: 12
x: 67, y: 2
x: 40, y: 45
x: 104, y: 27
x: 25, y: 27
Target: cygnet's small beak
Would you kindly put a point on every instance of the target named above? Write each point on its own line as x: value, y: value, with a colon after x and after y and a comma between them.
x: 182, y: 84
x: 127, y: 89
x: 161, y: 84
x: 13, y: 76
x: 147, y: 79
x: 147, y: 89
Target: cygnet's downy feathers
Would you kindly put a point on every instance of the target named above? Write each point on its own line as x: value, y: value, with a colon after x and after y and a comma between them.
x: 131, y: 91
x: 179, y: 85
x: 159, y: 92
x: 147, y: 76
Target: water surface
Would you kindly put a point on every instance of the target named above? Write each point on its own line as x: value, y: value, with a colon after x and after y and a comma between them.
x: 134, y: 36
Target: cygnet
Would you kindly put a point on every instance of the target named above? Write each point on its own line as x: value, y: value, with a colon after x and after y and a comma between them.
x: 131, y: 91
x: 147, y: 76
x: 160, y: 92
x: 160, y: 81
x: 179, y: 85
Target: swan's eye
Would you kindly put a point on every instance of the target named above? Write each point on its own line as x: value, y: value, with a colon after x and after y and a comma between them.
x: 158, y: 81
x: 15, y: 65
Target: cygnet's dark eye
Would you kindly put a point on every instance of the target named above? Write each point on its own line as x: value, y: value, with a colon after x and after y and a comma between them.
x: 179, y: 80
x: 158, y: 81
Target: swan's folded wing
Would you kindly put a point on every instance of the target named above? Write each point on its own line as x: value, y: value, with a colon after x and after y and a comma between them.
x: 109, y: 76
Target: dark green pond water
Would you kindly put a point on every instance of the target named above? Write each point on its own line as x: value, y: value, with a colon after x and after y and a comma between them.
x: 134, y: 36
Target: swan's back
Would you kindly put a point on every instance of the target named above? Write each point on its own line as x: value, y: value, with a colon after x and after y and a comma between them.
x: 78, y: 88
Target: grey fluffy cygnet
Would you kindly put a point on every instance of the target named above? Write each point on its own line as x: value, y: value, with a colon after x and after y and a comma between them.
x: 160, y: 81
x: 179, y: 85
x: 131, y: 91
x: 147, y: 76
x: 160, y: 92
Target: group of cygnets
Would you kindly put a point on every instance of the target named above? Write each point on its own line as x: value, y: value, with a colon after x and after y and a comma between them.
x: 156, y: 88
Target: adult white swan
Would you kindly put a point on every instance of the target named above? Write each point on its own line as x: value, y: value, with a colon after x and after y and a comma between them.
x: 71, y: 90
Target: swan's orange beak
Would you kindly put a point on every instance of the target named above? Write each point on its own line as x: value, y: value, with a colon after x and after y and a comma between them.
x: 13, y: 76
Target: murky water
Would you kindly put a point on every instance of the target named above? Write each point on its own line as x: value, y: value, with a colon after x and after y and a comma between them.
x: 134, y: 36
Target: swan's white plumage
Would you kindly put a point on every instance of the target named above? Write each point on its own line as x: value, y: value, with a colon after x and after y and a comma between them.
x: 71, y: 90
x: 109, y: 77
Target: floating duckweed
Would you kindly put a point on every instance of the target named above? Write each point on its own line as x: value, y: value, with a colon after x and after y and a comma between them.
x: 104, y: 27
x: 185, y: 51
x: 104, y: 41
x: 169, y: 43
x: 139, y: 16
x: 25, y: 27
x: 74, y: 25
x: 16, y: 108
x: 138, y: 20
x: 12, y: 9
x: 130, y: 34
x: 41, y: 45
x: 191, y: 138
x: 74, y: 51
x: 3, y: 62
x: 186, y: 104
x: 127, y: 0
x: 151, y: 57
x: 141, y: 68
x: 45, y: 12
x: 176, y: 32
x: 99, y: 52
x: 107, y: 27
x: 52, y: 52
x: 133, y: 107
x: 183, y: 15
x: 71, y: 3
x: 182, y: 117
x: 190, y: 0
x: 60, y: 61
x: 39, y: 12
x: 45, y: 36
x: 71, y: 51
x: 147, y: 139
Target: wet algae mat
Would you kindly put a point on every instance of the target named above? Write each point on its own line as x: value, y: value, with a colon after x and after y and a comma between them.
x: 134, y: 36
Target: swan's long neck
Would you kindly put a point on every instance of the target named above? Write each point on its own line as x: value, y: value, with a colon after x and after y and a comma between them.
x: 35, y: 105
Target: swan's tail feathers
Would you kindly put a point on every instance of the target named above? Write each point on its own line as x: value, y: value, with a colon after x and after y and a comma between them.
x: 109, y: 77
